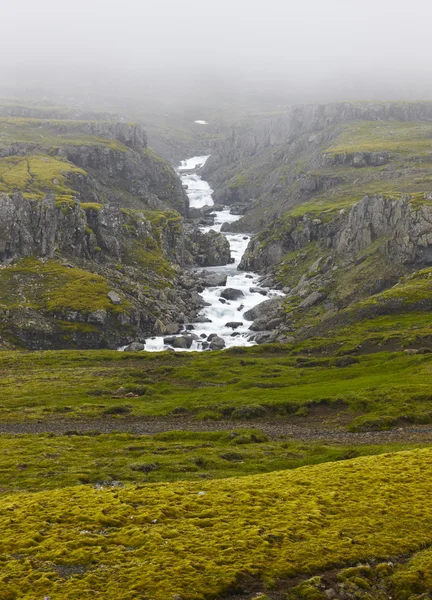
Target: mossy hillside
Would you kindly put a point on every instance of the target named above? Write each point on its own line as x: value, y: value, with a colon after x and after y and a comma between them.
x: 38, y: 462
x: 37, y: 176
x: 400, y: 313
x: 201, y: 540
x: 51, y: 134
x: 398, y: 578
x: 55, y: 288
x: 374, y: 391
x: 318, y: 178
x: 407, y: 138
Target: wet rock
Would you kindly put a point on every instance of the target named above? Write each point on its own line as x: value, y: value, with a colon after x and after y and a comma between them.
x: 214, y: 280
x: 134, y: 347
x: 222, y: 300
x: 203, y: 336
x: 209, y: 249
x: 202, y: 320
x: 114, y: 297
x: 178, y: 341
x: 234, y: 324
x: 217, y: 343
x: 232, y: 294
x: 241, y: 307
x: 258, y: 290
x: 262, y: 338
x: 269, y: 308
x: 249, y: 276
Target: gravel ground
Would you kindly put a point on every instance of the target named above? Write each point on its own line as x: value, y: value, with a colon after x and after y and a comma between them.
x: 274, y: 429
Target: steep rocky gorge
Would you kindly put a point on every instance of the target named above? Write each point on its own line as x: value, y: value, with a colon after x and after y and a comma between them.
x: 93, y: 241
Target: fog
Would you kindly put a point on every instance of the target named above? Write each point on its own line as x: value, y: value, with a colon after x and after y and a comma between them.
x: 298, y: 50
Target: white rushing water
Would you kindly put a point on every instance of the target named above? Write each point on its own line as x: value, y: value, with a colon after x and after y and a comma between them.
x: 231, y: 311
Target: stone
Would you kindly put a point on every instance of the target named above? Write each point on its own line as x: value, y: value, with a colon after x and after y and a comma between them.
x: 234, y: 324
x: 114, y: 297
x: 269, y: 308
x: 262, y: 338
x: 214, y: 280
x: 222, y: 300
x: 134, y: 347
x: 232, y: 294
x: 97, y: 316
x: 120, y: 393
x: 178, y: 341
x: 217, y: 343
x: 311, y: 300
x: 258, y: 290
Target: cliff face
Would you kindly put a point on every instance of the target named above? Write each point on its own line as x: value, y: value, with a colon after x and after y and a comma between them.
x: 343, y: 270
x: 335, y: 153
x: 92, y: 239
x: 403, y: 230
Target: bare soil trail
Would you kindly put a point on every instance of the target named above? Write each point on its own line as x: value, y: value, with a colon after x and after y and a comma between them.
x: 273, y: 428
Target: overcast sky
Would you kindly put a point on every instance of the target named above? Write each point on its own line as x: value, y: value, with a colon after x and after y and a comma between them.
x: 301, y: 41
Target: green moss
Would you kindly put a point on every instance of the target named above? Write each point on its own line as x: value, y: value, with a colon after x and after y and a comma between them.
x: 37, y: 176
x: 91, y: 206
x: 385, y: 136
x: 54, y: 288
x: 201, y: 540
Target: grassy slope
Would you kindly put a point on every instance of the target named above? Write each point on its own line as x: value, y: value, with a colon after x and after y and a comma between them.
x: 40, y: 462
x: 36, y: 176
x: 200, y: 540
x: 374, y: 391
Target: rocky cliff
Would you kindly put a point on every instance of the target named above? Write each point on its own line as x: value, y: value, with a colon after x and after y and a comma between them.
x: 334, y: 271
x: 93, y: 244
x: 272, y: 163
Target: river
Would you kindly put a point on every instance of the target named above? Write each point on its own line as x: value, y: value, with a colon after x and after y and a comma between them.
x: 219, y: 312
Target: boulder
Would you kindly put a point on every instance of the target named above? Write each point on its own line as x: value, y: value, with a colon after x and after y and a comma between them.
x: 114, y: 297
x: 258, y: 290
x: 234, y: 324
x: 217, y: 343
x: 232, y: 294
x: 209, y: 249
x: 214, y: 280
x: 311, y: 300
x: 179, y: 341
x: 269, y: 308
x: 134, y: 347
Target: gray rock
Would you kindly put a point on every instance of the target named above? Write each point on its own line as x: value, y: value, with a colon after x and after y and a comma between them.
x: 261, y: 338
x: 97, y: 316
x: 258, y: 290
x: 134, y: 347
x: 214, y: 280
x: 269, y: 308
x: 311, y: 300
x: 234, y: 324
x: 232, y: 294
x: 114, y: 297
x: 217, y: 343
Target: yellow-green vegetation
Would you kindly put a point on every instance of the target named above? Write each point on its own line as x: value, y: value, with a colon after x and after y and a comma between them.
x: 201, y: 540
x: 385, y: 136
x: 373, y: 391
x: 50, y: 286
x: 47, y: 134
x: 45, y: 461
x: 37, y: 176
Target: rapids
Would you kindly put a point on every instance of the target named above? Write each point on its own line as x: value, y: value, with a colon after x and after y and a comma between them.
x: 232, y: 311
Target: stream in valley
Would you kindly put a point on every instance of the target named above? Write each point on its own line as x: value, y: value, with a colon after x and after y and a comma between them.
x: 225, y: 317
